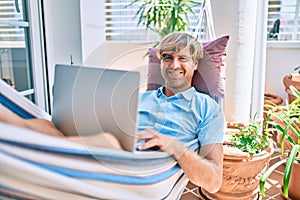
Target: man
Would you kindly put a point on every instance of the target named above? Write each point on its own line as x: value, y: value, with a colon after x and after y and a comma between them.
x: 177, y: 113
x: 169, y: 117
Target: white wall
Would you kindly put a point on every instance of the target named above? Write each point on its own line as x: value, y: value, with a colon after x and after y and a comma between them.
x: 282, y: 58
x: 74, y: 27
x: 124, y: 56
x: 238, y: 19
x: 62, y: 34
x: 92, y: 26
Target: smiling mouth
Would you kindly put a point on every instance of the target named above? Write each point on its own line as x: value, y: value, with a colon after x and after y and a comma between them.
x: 174, y: 73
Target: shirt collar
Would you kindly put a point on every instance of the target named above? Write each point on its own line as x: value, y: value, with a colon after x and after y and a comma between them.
x: 188, y: 94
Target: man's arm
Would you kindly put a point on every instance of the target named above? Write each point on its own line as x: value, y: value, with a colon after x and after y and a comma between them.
x: 40, y: 125
x: 204, y: 169
x: 7, y: 116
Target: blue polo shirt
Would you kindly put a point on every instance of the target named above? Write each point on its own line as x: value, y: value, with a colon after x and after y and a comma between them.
x: 186, y: 116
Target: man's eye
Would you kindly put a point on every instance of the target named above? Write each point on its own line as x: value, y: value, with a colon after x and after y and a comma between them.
x: 167, y: 57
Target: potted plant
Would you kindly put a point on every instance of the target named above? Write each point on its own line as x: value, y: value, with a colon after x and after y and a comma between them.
x: 247, y: 152
x: 286, y: 120
x: 165, y: 16
x: 271, y: 98
x: 294, y: 80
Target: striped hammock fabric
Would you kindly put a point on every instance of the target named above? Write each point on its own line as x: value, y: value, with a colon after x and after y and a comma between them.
x: 38, y: 166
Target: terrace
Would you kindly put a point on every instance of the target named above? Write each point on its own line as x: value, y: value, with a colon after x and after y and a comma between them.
x: 73, y: 32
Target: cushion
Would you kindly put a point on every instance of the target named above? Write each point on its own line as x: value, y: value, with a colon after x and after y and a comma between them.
x: 210, y: 76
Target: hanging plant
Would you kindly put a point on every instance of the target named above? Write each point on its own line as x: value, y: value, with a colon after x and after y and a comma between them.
x: 165, y: 16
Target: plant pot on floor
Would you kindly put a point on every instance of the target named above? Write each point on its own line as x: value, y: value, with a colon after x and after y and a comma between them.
x: 291, y: 79
x: 271, y: 99
x: 287, y: 145
x: 241, y: 171
x: 285, y: 119
x: 294, y: 186
x: 241, y: 176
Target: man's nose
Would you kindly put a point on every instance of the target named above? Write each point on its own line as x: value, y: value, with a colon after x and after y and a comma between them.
x: 175, y: 64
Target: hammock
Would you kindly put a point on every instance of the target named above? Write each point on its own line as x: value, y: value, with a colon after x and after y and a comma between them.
x: 37, y: 166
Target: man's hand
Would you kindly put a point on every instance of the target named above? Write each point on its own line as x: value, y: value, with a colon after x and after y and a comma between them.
x: 203, y: 169
x: 160, y: 141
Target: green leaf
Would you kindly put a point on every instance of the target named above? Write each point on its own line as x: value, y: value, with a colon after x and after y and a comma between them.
x: 288, y: 169
x: 267, y: 174
x: 165, y: 16
x: 250, y: 139
x: 294, y: 91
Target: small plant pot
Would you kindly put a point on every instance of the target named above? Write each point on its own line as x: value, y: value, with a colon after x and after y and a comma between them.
x: 287, y: 145
x: 270, y: 98
x: 291, y: 79
x: 294, y: 186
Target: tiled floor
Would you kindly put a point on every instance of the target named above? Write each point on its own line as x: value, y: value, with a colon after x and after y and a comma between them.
x: 272, y: 186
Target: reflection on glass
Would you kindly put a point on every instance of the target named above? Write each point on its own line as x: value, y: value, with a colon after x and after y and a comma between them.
x: 14, y: 58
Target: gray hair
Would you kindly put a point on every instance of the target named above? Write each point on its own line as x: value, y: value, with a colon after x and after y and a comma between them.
x: 177, y: 41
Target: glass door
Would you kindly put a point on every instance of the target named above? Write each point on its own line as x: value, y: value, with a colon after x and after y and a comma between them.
x: 19, y: 40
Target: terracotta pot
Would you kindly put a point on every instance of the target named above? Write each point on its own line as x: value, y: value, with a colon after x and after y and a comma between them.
x: 235, y: 125
x: 291, y: 79
x: 294, y: 186
x: 287, y: 145
x: 270, y: 98
x: 241, y: 176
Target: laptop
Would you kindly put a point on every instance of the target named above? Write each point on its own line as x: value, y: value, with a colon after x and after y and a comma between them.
x: 90, y: 100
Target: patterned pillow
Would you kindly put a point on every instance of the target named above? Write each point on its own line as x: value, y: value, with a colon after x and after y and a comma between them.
x: 209, y: 78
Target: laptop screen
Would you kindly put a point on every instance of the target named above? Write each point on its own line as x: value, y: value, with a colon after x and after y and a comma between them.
x: 89, y: 100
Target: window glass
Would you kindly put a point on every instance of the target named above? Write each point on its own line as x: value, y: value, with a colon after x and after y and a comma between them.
x: 283, y: 20
x: 14, y: 50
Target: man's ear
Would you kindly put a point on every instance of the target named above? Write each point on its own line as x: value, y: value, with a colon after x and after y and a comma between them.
x: 196, y: 65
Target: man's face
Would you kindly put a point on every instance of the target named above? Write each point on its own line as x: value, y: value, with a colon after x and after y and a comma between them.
x: 178, y: 69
